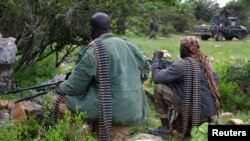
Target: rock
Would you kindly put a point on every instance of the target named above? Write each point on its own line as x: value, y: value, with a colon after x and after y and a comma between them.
x: 227, y: 114
x: 8, y: 51
x: 235, y: 121
x: 4, y: 117
x: 247, y: 121
x: 25, y: 108
x: 145, y: 137
x: 18, y: 112
x: 31, y: 108
x: 3, y: 104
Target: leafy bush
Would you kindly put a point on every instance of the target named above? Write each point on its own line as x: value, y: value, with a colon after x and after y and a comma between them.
x: 68, y: 128
x: 138, y: 26
x: 37, y: 74
x: 167, y: 29
x: 25, y: 130
x: 180, y: 20
x: 71, y: 127
x: 234, y: 79
x: 200, y: 133
x: 37, y: 128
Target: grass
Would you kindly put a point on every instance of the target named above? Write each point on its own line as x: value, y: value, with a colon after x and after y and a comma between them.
x: 218, y: 52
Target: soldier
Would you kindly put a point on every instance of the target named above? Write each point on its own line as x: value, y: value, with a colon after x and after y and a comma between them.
x: 120, y: 82
x: 188, y: 85
x: 224, y: 17
x: 153, y: 28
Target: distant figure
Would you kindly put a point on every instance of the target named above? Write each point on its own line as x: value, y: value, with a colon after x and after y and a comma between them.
x: 224, y: 14
x: 153, y: 28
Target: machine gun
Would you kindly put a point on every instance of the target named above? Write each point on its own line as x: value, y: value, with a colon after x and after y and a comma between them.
x: 41, y: 89
x: 163, y: 63
x: 38, y: 88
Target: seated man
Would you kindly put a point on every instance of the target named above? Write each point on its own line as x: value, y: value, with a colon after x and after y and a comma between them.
x: 106, y: 83
x: 188, y: 86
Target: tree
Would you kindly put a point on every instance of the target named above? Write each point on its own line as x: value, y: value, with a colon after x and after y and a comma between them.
x: 46, y: 27
x: 240, y: 9
x: 43, y: 28
x: 204, y: 9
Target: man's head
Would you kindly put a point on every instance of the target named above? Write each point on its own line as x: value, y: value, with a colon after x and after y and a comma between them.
x: 189, y: 46
x: 100, y: 24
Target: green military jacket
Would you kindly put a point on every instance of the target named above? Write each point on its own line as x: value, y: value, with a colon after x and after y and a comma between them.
x: 127, y: 67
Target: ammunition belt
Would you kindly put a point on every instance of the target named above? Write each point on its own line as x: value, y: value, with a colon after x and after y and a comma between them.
x: 104, y: 88
x: 192, y: 95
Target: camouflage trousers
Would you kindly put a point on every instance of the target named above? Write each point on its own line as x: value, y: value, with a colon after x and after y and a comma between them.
x: 118, y: 132
x: 152, y: 34
x: 164, y: 99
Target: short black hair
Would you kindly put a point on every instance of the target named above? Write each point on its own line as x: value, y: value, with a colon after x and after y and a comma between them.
x: 100, y: 21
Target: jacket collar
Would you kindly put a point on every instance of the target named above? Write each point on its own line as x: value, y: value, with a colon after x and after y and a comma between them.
x: 105, y: 35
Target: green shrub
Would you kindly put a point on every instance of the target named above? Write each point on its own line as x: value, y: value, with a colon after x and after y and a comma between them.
x: 20, y: 131
x: 138, y: 26
x: 233, y: 80
x: 167, y: 29
x: 68, y: 128
x: 37, y: 74
x: 200, y: 133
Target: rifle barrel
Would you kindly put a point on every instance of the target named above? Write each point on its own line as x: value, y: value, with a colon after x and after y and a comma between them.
x: 30, y: 97
x: 33, y: 87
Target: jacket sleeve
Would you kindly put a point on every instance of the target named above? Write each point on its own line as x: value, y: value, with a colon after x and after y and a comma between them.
x: 81, y: 76
x: 143, y: 61
x: 216, y: 77
x: 172, y: 73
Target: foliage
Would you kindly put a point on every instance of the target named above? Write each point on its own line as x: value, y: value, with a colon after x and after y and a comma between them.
x: 204, y: 9
x: 67, y: 128
x: 180, y: 20
x: 240, y: 9
x: 38, y: 73
x: 233, y: 84
x: 70, y: 127
x: 24, y: 130
x: 240, y: 74
x: 44, y: 28
x: 200, y: 133
x: 137, y: 26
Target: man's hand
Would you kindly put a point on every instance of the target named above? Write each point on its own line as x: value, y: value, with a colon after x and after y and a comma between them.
x: 158, y: 55
x: 166, y: 54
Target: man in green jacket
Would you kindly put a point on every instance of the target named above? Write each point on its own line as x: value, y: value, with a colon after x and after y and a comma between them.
x: 128, y: 68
